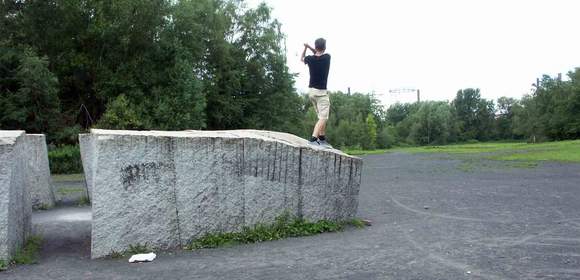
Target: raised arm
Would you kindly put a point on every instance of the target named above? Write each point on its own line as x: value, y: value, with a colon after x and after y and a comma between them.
x: 306, y: 46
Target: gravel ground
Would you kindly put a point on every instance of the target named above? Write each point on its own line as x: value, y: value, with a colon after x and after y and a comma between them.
x: 434, y: 218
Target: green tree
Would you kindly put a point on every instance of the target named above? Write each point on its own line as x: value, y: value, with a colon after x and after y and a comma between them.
x: 475, y: 115
x: 432, y: 123
x: 120, y: 114
x: 505, y: 117
x: 387, y: 137
x: 372, y: 131
x: 28, y: 92
x: 525, y: 121
x: 398, y: 115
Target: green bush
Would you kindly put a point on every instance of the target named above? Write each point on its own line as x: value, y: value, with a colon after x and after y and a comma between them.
x: 65, y: 160
x: 66, y: 136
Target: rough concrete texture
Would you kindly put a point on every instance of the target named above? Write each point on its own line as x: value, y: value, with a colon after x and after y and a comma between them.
x: 38, y: 178
x: 87, y: 148
x: 167, y: 188
x: 15, y: 206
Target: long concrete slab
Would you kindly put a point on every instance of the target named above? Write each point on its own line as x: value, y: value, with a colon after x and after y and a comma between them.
x: 166, y: 188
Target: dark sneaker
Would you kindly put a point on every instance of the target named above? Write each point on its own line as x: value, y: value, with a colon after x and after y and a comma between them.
x: 315, y: 144
x: 325, y: 144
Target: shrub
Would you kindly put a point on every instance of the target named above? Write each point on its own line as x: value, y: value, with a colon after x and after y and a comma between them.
x: 66, y: 136
x: 65, y: 160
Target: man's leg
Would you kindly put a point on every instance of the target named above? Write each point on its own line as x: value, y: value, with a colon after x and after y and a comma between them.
x: 322, y: 127
x: 315, y: 130
x: 323, y: 110
x: 321, y: 105
x: 319, y: 128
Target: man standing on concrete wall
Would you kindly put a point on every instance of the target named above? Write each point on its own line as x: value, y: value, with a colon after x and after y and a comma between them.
x: 318, y: 65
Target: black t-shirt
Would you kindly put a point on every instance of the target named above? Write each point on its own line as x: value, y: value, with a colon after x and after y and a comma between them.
x: 318, y: 66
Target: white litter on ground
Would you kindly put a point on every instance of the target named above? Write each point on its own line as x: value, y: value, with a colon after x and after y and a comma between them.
x: 142, y: 258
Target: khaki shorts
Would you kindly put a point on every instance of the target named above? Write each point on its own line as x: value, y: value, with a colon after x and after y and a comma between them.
x: 321, y: 102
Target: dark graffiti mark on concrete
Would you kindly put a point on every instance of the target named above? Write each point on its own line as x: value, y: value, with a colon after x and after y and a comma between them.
x: 135, y: 174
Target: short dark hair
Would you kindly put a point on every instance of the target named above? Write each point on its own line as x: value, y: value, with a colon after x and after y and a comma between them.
x: 320, y: 44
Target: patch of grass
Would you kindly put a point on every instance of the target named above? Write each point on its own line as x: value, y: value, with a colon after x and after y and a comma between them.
x: 556, y: 151
x: 42, y: 206
x: 116, y: 255
x: 29, y: 254
x: 133, y: 250
x: 65, y: 191
x: 522, y: 164
x: 358, y: 152
x: 358, y: 223
x: 475, y: 164
x: 84, y: 201
x: 68, y: 177
x: 565, y: 151
x: 285, y: 226
x: 466, y: 148
x: 3, y: 265
x: 529, y: 154
x: 138, y: 249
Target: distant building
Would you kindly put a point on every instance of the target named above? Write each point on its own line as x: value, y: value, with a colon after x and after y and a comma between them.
x: 400, y: 95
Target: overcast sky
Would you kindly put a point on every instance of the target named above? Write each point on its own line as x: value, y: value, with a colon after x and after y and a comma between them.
x: 499, y: 46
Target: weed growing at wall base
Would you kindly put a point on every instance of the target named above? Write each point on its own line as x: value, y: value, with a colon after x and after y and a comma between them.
x: 26, y: 255
x: 133, y: 250
x: 29, y: 254
x: 3, y: 265
x: 139, y: 249
x: 84, y: 201
x: 284, y: 227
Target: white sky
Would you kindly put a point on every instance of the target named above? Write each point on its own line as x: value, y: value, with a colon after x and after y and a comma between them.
x: 499, y: 46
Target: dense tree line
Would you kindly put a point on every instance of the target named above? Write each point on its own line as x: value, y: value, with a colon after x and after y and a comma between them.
x: 551, y: 112
x: 66, y: 66
x: 191, y: 64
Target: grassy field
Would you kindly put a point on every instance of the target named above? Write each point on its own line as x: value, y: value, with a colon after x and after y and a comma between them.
x: 564, y: 151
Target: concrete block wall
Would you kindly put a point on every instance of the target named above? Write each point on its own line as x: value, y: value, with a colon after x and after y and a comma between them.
x: 85, y: 141
x: 15, y: 204
x: 167, y: 188
x: 38, y: 178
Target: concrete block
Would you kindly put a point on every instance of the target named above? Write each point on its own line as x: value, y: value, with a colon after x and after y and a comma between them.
x: 15, y: 204
x: 330, y: 185
x: 39, y: 182
x: 209, y: 187
x: 271, y: 180
x: 167, y: 188
x: 87, y: 147
x: 133, y: 194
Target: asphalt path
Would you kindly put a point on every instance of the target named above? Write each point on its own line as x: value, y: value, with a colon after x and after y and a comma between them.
x: 432, y: 219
